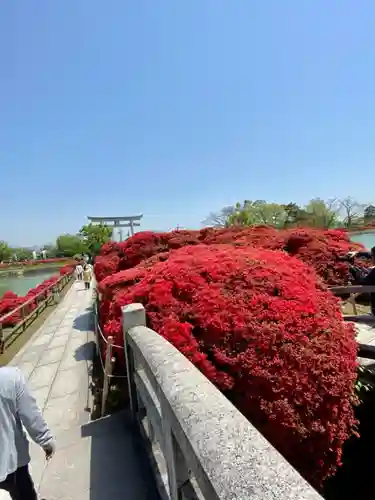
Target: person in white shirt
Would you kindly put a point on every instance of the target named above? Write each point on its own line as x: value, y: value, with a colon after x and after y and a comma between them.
x: 18, y: 410
x: 79, y: 272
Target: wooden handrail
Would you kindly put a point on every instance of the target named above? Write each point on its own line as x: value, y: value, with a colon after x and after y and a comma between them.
x: 342, y: 290
x: 32, y: 299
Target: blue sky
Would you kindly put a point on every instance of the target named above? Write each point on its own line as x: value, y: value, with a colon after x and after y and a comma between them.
x: 176, y: 108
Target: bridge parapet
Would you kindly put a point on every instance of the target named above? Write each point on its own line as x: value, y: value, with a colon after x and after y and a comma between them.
x: 200, y: 445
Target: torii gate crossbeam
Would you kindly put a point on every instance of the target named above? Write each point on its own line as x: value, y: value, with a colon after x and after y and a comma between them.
x: 130, y: 221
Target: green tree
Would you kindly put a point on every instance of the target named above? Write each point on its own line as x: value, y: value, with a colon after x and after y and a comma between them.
x: 5, y: 251
x: 258, y: 212
x: 293, y: 213
x: 369, y: 214
x: 352, y: 212
x: 322, y: 214
x: 219, y: 219
x: 94, y: 236
x: 69, y: 245
x: 271, y: 214
x: 23, y: 253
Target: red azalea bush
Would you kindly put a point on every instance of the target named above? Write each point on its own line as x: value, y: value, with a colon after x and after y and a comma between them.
x: 323, y: 249
x: 68, y: 269
x: 143, y: 245
x: 258, y: 236
x: 8, y: 304
x: 106, y: 265
x: 10, y: 301
x: 129, y: 276
x: 262, y: 327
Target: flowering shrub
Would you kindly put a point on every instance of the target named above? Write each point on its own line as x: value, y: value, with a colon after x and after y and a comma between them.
x: 109, y: 247
x: 120, y: 256
x: 106, y: 265
x: 323, y: 249
x: 68, y: 269
x: 264, y: 329
x: 10, y: 301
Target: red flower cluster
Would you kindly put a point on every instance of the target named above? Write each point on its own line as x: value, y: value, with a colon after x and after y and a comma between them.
x: 264, y: 329
x: 321, y: 249
x: 106, y: 265
x: 11, y: 300
x: 8, y: 302
x: 68, y: 269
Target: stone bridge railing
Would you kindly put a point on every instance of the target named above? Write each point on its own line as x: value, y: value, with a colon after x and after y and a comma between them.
x: 200, y: 445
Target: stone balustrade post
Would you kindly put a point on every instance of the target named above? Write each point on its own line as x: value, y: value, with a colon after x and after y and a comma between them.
x: 132, y: 315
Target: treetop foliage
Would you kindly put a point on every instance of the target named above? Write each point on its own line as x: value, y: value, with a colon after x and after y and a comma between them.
x: 335, y: 213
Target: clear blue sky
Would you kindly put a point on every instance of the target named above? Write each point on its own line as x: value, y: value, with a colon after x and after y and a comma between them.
x: 175, y: 108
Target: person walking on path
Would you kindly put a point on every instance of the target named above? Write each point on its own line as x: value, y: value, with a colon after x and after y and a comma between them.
x: 17, y: 408
x: 87, y: 275
x: 79, y: 271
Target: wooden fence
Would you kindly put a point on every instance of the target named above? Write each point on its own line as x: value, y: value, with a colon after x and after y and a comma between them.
x: 354, y: 291
x: 107, y: 361
x: 29, y: 313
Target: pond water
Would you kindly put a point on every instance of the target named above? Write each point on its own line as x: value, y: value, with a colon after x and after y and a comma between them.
x: 22, y: 284
x: 366, y: 238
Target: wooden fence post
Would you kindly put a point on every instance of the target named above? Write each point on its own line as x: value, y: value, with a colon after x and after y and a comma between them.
x: 354, y: 305
x: 23, y: 317
x: 2, y: 343
x: 96, y: 331
x: 56, y: 295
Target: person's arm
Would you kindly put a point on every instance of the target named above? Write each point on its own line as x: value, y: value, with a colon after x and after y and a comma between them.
x: 363, y: 253
x: 369, y: 279
x: 31, y: 417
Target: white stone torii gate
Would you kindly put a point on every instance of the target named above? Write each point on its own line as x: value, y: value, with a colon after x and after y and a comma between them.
x: 130, y: 221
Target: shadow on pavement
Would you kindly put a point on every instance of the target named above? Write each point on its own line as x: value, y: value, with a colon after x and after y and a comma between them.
x: 84, y: 322
x: 85, y: 352
x: 118, y: 463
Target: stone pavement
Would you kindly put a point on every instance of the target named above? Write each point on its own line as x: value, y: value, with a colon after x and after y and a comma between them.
x: 94, y: 460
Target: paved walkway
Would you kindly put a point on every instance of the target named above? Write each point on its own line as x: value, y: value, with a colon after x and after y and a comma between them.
x: 96, y: 460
